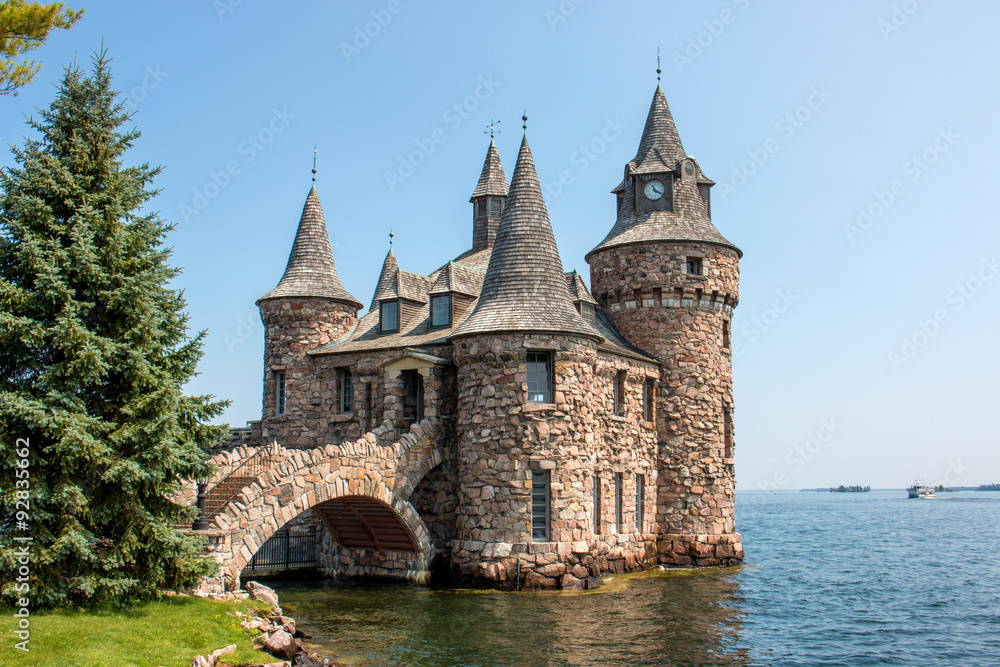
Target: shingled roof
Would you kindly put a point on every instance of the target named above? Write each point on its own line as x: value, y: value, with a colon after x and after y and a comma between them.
x: 492, y: 181
x: 310, y: 271
x: 525, y: 288
x: 660, y: 151
x: 386, y: 278
x: 453, y: 277
x: 578, y: 289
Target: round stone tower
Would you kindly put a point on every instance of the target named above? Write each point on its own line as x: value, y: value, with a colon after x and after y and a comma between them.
x: 308, y: 308
x: 668, y: 280
x: 525, y: 375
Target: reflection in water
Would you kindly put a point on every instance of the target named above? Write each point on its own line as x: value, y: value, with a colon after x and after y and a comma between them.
x: 668, y: 619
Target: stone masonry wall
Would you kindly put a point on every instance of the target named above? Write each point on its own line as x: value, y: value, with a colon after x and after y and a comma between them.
x: 292, y: 327
x: 647, y: 293
x: 502, y: 439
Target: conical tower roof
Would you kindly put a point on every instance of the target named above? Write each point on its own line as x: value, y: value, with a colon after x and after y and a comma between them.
x: 492, y: 180
x: 661, y: 151
x: 310, y: 271
x: 660, y: 146
x: 386, y: 279
x: 525, y: 288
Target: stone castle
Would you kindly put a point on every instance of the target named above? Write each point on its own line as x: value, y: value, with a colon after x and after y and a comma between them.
x: 496, y: 420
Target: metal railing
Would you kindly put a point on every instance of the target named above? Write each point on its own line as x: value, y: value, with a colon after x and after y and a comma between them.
x: 232, y: 484
x: 284, y: 550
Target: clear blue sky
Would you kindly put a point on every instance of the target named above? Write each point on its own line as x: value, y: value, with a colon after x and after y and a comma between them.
x: 806, y: 112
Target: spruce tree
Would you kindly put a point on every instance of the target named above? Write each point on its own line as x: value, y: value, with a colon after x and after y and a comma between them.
x: 94, y: 354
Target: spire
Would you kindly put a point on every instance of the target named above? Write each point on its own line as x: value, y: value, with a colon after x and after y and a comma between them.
x: 524, y: 288
x: 660, y: 146
x: 310, y: 271
x: 492, y: 180
x: 386, y: 279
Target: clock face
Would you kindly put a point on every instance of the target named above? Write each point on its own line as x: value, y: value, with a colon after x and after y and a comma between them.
x: 654, y: 190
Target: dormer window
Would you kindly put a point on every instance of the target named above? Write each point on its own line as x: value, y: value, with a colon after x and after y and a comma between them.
x: 693, y: 266
x: 587, y: 311
x: 388, y: 317
x: 441, y: 311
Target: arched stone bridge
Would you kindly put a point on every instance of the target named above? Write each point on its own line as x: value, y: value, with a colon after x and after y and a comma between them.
x: 359, y: 489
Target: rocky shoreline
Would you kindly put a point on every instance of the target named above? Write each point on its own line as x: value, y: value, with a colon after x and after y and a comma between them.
x: 278, y: 634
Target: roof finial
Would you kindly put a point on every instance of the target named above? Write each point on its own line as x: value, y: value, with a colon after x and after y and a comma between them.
x: 314, y: 164
x: 390, y: 238
x: 657, y: 64
x: 491, y: 127
x: 524, y: 120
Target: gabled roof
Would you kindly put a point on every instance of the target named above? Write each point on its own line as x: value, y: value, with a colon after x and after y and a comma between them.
x: 524, y: 288
x: 310, y: 271
x: 454, y: 277
x: 405, y: 285
x: 577, y: 289
x: 492, y: 181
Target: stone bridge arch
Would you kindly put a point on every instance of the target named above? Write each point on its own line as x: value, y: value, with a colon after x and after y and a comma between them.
x: 360, y: 490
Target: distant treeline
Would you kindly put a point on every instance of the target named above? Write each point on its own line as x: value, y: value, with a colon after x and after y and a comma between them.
x: 850, y: 489
x: 989, y: 487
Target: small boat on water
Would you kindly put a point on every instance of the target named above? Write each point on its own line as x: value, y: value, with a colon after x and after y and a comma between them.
x: 919, y: 490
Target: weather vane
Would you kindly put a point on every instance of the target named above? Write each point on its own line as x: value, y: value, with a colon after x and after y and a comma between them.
x: 524, y: 120
x: 314, y: 164
x: 657, y: 63
x: 491, y: 128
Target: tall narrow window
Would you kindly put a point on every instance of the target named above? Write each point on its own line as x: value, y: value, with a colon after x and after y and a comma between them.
x: 620, y: 394
x: 647, y: 400
x: 279, y: 391
x: 369, y: 408
x: 597, y: 504
x: 725, y: 334
x: 346, y: 391
x: 618, y: 502
x: 496, y: 207
x: 706, y: 198
x: 694, y: 266
x: 441, y: 310
x: 727, y: 429
x: 389, y: 316
x: 587, y: 310
x: 540, y: 505
x: 640, y: 499
x: 539, y: 377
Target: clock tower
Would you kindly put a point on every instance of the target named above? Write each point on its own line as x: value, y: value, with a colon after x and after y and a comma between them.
x: 669, y: 281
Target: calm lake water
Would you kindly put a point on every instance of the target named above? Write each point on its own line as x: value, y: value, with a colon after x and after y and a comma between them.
x: 829, y: 579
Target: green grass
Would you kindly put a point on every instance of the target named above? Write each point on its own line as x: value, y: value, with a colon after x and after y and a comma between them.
x: 168, y: 632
